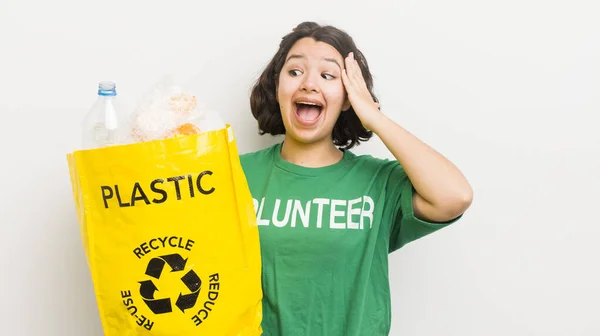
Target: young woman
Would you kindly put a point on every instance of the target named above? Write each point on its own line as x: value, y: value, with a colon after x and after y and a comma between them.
x: 328, y: 218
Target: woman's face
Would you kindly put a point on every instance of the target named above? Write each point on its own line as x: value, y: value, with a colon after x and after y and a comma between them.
x: 310, y: 91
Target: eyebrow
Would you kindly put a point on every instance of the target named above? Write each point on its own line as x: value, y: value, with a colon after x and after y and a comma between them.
x: 299, y: 56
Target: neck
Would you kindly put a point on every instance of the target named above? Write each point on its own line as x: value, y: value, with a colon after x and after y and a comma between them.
x: 314, y: 155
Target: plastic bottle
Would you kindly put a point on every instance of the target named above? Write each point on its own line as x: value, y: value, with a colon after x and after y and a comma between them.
x: 105, y: 124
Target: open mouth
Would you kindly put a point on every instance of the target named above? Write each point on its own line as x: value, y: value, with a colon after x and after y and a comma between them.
x: 308, y: 111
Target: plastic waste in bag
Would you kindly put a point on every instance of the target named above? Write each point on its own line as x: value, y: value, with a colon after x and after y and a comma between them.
x: 106, y: 122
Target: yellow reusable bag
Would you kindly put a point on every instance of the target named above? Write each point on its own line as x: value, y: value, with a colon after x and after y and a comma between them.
x: 169, y: 232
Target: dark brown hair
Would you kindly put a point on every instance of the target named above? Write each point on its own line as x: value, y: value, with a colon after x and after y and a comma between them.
x: 348, y: 130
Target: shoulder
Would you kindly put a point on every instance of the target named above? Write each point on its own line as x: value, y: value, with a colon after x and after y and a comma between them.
x: 259, y: 157
x: 367, y: 163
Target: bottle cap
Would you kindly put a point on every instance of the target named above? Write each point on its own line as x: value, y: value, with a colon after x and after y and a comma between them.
x: 107, y: 88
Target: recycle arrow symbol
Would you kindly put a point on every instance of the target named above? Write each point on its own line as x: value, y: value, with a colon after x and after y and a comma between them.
x: 190, y: 279
x: 193, y: 283
x: 156, y: 265
x: 157, y: 306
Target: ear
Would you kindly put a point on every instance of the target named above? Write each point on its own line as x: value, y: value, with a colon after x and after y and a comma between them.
x: 346, y: 106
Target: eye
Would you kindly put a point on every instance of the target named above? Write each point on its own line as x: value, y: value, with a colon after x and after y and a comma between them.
x: 295, y: 72
x: 328, y: 76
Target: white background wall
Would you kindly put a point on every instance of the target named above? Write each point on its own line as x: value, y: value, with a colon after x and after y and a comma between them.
x: 508, y: 90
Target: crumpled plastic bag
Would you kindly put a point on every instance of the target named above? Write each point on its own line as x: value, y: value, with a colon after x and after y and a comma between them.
x: 168, y: 111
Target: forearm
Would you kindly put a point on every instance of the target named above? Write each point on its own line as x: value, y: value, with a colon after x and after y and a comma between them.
x: 436, y: 180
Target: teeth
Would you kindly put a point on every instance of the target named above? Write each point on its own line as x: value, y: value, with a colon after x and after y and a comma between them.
x: 305, y: 103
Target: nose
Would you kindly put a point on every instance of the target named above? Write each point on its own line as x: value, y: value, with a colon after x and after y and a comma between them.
x: 309, y: 85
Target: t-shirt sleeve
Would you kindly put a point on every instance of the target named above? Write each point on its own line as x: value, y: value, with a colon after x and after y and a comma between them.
x: 406, y: 227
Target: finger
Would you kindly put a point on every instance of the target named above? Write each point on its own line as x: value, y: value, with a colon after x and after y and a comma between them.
x: 349, y: 67
x: 351, y: 59
x: 357, y: 68
x: 345, y: 79
x: 356, y: 72
x: 347, y: 75
x: 352, y: 64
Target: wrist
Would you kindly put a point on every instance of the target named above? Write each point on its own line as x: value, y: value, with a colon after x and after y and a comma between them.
x: 378, y: 122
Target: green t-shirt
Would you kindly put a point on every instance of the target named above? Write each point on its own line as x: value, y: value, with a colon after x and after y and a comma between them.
x: 325, y: 236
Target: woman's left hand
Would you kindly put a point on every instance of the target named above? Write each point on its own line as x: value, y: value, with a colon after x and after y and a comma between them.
x: 359, y: 96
